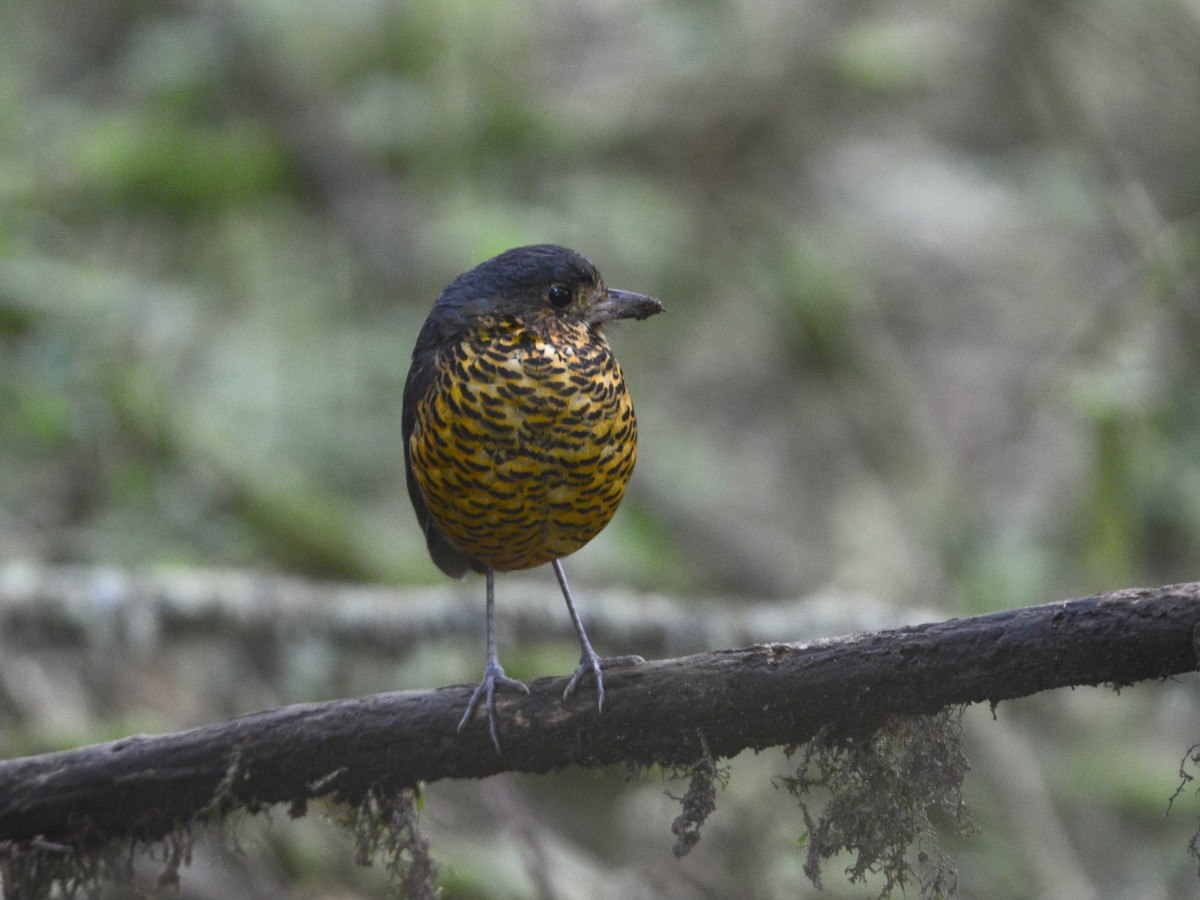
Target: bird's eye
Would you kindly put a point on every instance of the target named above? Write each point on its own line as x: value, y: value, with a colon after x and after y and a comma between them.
x: 559, y: 296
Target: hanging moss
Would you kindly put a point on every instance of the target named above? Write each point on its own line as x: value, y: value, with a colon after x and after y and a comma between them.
x: 879, y: 793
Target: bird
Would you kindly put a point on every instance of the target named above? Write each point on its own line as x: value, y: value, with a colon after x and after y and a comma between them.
x: 519, y: 431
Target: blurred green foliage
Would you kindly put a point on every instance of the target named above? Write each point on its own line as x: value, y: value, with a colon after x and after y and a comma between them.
x: 932, y: 278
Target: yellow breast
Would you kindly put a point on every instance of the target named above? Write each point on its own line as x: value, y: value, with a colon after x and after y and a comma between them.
x: 523, y: 446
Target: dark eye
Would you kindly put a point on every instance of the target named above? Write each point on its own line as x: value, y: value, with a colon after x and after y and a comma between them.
x: 559, y: 296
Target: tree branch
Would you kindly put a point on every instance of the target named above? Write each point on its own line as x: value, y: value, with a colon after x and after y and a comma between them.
x: 71, y: 604
x: 670, y: 711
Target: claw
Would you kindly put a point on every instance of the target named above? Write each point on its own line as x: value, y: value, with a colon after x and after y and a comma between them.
x: 493, y: 676
x: 593, y: 664
x: 589, y: 662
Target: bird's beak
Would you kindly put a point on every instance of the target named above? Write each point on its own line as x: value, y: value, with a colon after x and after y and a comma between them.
x: 623, y: 305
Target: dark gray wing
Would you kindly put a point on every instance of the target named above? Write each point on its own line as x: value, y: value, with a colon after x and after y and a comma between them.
x: 420, y: 381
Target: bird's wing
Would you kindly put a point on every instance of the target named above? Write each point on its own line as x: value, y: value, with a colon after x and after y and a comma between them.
x: 420, y: 381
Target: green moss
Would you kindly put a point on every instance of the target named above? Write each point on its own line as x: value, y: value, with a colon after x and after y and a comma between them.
x: 880, y: 793
x: 385, y: 830
x: 699, y: 802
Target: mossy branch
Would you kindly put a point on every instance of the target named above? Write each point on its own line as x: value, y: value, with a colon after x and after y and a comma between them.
x: 672, y: 712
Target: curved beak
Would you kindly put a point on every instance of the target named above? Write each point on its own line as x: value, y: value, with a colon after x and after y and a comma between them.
x: 623, y: 305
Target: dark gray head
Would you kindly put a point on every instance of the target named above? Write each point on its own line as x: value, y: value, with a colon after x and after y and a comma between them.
x: 534, y: 281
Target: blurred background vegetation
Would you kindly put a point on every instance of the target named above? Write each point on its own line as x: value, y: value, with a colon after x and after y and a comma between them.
x: 932, y: 274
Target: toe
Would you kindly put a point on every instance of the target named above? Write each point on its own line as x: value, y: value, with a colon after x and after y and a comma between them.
x: 493, y: 678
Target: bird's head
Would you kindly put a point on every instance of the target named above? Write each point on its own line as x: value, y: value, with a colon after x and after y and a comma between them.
x: 540, y: 283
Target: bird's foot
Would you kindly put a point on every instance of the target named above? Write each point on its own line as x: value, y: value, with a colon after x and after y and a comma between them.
x: 493, y: 677
x: 590, y: 663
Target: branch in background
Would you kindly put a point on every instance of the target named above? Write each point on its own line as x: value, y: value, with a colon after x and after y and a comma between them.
x: 76, y: 603
x: 670, y: 712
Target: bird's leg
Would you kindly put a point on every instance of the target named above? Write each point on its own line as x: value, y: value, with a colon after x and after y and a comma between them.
x: 493, y: 672
x: 589, y: 661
